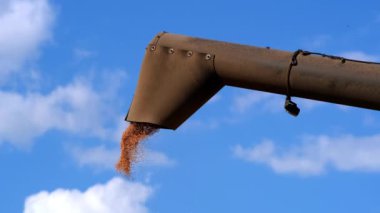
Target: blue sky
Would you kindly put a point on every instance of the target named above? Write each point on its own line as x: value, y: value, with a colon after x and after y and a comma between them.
x: 68, y: 70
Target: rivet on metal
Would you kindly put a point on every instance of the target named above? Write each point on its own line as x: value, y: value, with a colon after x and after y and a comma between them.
x: 189, y: 53
x: 171, y: 50
x: 208, y: 56
x: 153, y: 48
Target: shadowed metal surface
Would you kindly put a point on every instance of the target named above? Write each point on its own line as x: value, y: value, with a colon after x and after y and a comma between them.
x: 180, y: 73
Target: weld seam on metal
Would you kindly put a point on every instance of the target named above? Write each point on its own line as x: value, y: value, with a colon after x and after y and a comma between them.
x: 157, y: 38
x: 213, y: 64
x: 342, y: 59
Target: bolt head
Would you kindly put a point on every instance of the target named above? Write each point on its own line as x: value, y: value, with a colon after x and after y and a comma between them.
x: 208, y: 56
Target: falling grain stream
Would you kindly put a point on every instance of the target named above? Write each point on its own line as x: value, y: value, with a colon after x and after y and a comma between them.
x: 132, y: 137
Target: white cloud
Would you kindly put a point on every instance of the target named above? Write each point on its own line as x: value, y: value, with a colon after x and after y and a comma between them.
x: 316, y: 42
x: 75, y: 108
x: 115, y: 196
x: 200, y: 124
x: 102, y: 158
x: 97, y: 157
x: 256, y: 100
x: 82, y: 54
x: 155, y: 158
x: 316, y: 154
x: 215, y: 98
x: 120, y: 128
x: 246, y: 101
x: 358, y: 55
x: 25, y: 24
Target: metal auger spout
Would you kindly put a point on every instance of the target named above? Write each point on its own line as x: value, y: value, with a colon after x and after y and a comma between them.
x: 180, y: 74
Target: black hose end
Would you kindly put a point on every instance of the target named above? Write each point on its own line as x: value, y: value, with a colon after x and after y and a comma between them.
x: 292, y: 107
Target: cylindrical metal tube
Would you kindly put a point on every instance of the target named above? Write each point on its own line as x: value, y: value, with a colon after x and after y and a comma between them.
x: 180, y: 73
x: 314, y: 77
